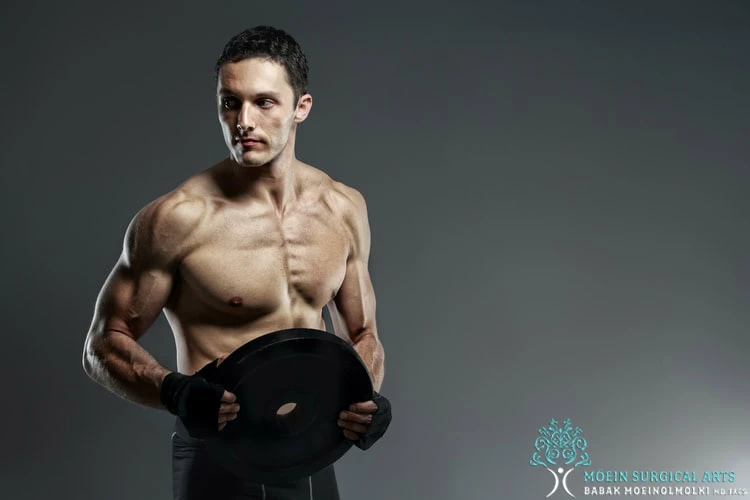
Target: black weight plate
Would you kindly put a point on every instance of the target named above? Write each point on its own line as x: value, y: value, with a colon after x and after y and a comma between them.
x: 318, y: 372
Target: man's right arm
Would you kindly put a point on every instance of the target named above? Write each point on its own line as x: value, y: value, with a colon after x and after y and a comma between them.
x: 133, y: 296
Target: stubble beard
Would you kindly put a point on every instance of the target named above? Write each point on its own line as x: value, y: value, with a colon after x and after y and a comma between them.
x: 255, y: 158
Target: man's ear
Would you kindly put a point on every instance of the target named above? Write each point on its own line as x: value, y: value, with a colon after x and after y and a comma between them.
x: 303, y: 108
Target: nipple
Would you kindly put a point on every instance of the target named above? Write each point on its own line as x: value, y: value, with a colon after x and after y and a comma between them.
x: 235, y: 301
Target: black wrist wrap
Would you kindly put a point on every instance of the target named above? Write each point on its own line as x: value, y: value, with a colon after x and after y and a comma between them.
x: 380, y: 421
x: 195, y: 400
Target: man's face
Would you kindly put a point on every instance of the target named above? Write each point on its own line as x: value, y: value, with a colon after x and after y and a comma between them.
x: 257, y: 110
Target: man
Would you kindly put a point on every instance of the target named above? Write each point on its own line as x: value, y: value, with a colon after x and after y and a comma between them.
x: 257, y: 243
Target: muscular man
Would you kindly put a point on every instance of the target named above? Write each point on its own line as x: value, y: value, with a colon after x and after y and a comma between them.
x: 257, y: 243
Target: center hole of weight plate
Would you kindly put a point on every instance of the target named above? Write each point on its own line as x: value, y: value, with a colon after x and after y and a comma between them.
x: 286, y: 409
x: 288, y: 417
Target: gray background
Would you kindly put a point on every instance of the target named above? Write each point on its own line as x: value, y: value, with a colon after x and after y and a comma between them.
x: 558, y: 195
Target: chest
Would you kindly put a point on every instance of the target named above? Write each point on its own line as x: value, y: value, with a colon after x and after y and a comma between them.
x: 265, y: 261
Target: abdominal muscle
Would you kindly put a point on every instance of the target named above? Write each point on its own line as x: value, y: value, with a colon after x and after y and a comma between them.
x: 198, y: 345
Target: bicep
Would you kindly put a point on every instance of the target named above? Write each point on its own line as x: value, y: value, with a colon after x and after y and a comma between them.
x: 131, y: 299
x: 354, y: 304
x: 140, y: 283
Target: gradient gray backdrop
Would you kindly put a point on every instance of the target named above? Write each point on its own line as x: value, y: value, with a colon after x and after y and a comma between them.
x: 558, y: 196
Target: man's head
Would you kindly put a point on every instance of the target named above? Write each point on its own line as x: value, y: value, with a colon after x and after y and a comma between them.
x: 261, y: 78
x: 268, y: 43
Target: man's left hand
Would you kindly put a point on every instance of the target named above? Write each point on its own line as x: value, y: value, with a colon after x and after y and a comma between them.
x: 367, y: 421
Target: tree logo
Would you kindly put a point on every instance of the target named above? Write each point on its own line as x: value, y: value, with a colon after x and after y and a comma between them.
x: 560, y: 444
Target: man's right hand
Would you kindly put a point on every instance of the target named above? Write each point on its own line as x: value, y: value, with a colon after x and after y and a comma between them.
x: 204, y: 407
x: 229, y: 407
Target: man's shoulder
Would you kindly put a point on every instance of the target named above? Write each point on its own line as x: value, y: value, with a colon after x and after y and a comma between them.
x: 342, y: 198
x: 348, y: 205
x: 163, y: 226
x: 351, y: 198
x: 178, y: 211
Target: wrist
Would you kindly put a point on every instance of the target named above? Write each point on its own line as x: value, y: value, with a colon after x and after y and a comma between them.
x: 171, y: 384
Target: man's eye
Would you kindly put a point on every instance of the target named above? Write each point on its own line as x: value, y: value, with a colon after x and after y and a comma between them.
x: 265, y: 103
x: 228, y: 103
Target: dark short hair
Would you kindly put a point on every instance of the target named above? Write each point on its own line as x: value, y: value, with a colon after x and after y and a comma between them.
x: 271, y: 43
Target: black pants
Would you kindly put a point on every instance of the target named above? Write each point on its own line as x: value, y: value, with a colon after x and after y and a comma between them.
x: 196, y: 477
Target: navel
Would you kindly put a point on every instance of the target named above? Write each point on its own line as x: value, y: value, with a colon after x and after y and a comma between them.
x: 235, y: 301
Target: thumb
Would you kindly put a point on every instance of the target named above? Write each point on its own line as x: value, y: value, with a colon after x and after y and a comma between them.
x: 228, y: 397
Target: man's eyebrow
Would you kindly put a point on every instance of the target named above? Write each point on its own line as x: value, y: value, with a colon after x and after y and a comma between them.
x: 266, y: 93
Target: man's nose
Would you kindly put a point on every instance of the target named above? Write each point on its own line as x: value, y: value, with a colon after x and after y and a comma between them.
x: 245, y: 119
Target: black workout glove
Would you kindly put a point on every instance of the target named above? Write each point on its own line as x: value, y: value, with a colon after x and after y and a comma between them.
x: 380, y: 421
x: 195, y: 400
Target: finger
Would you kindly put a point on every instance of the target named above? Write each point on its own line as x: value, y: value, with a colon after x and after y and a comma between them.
x: 222, y: 425
x: 364, y: 407
x: 229, y: 408
x: 228, y: 397
x: 352, y: 426
x: 350, y: 435
x: 362, y: 418
x: 227, y: 418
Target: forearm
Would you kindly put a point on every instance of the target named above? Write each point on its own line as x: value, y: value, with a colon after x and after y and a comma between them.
x: 371, y: 351
x: 119, y: 363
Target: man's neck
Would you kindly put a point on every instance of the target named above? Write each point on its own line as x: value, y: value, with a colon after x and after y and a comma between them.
x: 272, y: 183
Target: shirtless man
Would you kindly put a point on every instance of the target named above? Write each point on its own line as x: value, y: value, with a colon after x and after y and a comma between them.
x: 257, y: 243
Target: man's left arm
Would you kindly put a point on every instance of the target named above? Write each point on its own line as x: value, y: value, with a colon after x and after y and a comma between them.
x: 353, y: 308
x: 352, y: 314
